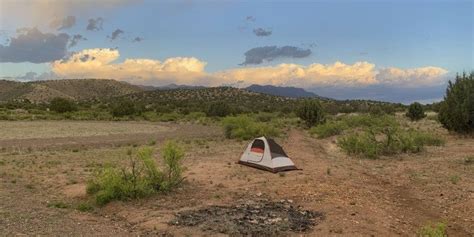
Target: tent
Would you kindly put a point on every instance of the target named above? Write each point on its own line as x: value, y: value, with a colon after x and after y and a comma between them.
x: 264, y: 153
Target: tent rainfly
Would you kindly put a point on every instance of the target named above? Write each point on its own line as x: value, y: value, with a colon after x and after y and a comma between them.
x: 264, y: 153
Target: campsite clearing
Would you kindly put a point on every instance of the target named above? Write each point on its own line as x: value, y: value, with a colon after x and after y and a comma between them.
x: 43, y: 177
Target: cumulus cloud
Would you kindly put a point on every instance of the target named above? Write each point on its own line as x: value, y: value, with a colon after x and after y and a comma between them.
x: 75, y: 39
x: 268, y: 53
x: 95, y: 24
x: 412, y: 77
x: 115, y: 34
x: 64, y: 23
x: 100, y: 63
x: 357, y: 74
x: 31, y: 45
x: 260, y: 32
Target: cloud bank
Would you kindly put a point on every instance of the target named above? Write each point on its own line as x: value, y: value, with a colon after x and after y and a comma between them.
x: 102, y: 63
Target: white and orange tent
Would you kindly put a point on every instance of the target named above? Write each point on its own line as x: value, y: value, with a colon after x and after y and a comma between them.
x: 264, y: 153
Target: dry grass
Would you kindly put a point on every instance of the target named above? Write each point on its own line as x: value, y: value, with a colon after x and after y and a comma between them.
x: 54, y: 129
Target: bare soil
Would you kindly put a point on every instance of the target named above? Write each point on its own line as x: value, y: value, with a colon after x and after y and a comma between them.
x: 42, y: 182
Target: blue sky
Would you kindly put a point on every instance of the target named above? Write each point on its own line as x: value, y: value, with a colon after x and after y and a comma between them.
x: 424, y: 42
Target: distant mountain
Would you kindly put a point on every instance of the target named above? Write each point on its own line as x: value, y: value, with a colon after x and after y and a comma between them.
x: 292, y: 92
x: 175, y: 86
x: 75, y: 89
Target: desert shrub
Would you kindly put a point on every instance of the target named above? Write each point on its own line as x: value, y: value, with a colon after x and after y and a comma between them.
x: 62, y: 105
x: 389, y: 141
x: 140, y: 178
x: 311, y: 112
x: 376, y: 110
x: 244, y: 127
x: 415, y: 112
x: 328, y: 129
x: 264, y: 116
x: 172, y: 155
x: 338, y: 125
x: 218, y: 109
x: 456, y: 112
x: 433, y: 230
x: 169, y: 117
x: 123, y: 108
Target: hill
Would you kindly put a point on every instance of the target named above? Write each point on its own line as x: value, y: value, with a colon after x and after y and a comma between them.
x: 197, y: 99
x: 75, y: 89
x: 293, y: 92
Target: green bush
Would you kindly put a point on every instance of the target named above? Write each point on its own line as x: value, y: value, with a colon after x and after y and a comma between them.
x: 245, y: 128
x: 433, y: 230
x: 140, y: 178
x: 169, y: 117
x: 389, y: 141
x: 456, y: 112
x: 328, y: 129
x: 123, y: 108
x: 218, y: 109
x: 311, y: 112
x: 62, y: 105
x: 172, y: 156
x: 415, y: 112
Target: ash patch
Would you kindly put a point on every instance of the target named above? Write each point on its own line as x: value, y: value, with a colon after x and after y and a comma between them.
x: 255, y: 218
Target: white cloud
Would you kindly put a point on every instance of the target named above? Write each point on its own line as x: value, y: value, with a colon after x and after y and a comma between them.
x: 416, y: 77
x: 101, y: 63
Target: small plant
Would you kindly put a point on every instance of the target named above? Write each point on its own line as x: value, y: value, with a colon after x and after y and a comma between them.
x: 172, y: 155
x: 415, y: 112
x: 57, y: 204
x: 433, y: 230
x: 469, y: 160
x: 84, y: 207
x: 454, y: 179
x: 311, y: 112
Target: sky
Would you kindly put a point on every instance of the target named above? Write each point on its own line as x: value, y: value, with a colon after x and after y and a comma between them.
x: 399, y: 51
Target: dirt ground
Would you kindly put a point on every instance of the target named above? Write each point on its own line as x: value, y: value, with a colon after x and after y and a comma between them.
x: 392, y: 196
